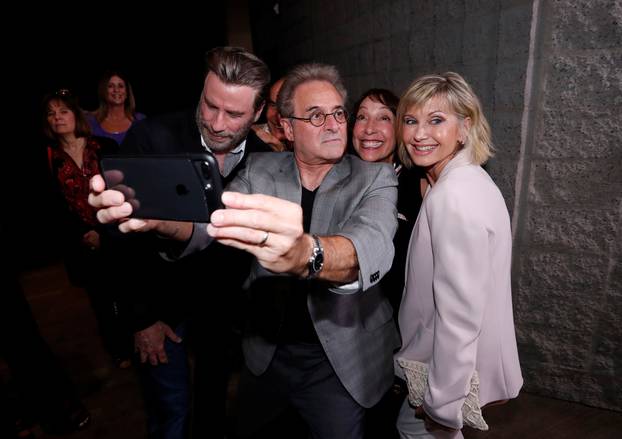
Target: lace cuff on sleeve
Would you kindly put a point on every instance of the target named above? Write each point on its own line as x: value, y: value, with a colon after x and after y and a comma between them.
x: 417, y: 379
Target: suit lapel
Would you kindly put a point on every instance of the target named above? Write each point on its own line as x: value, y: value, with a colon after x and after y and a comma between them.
x: 327, y: 195
x: 288, y: 186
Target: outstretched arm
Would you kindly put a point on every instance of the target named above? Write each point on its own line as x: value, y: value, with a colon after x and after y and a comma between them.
x: 249, y: 219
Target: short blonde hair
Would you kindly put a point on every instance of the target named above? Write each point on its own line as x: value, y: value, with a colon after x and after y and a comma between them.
x: 461, y: 100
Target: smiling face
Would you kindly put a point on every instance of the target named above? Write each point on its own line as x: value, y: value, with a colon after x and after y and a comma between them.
x: 61, y: 119
x: 116, y: 91
x: 317, y: 145
x: 225, y: 113
x: 373, y: 135
x: 432, y: 133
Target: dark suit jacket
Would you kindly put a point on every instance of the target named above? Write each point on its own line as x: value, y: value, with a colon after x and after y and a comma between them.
x: 165, y: 290
x: 356, y: 200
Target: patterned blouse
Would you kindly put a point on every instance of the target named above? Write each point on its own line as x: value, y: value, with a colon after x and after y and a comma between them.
x: 74, y: 182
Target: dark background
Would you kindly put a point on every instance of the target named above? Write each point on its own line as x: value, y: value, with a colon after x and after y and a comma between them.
x: 161, y: 51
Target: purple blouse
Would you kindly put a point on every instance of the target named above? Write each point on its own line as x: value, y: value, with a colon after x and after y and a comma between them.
x: 117, y: 136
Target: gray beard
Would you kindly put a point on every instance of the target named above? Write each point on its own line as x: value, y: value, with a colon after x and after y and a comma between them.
x: 230, y: 145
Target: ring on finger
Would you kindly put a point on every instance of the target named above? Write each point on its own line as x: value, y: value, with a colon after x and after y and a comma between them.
x: 264, y: 239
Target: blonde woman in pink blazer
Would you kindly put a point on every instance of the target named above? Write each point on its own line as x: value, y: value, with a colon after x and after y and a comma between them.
x: 459, y: 347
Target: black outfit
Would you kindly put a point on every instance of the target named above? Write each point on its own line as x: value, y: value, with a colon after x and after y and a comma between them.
x: 381, y: 418
x: 83, y: 264
x: 409, y: 201
x: 170, y: 291
x: 297, y: 326
x: 299, y: 360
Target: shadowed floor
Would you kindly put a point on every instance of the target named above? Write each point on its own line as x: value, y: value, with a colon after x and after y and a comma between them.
x: 113, y: 396
x: 68, y: 324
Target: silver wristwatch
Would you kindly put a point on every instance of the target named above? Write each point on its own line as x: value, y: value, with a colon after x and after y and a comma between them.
x: 316, y: 260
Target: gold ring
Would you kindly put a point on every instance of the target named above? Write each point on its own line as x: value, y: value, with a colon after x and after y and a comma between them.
x: 264, y: 239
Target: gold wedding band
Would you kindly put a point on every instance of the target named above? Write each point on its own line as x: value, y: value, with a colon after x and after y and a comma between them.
x: 264, y: 239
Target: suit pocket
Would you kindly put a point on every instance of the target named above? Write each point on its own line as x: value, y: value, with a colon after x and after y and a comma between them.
x: 379, y: 315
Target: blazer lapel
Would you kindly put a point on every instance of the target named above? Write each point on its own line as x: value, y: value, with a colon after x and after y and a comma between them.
x: 327, y: 195
x: 288, y: 186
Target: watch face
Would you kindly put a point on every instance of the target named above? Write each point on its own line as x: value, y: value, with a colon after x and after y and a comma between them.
x: 318, y: 262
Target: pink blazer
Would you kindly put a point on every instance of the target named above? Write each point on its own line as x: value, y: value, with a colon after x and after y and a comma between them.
x: 456, y: 313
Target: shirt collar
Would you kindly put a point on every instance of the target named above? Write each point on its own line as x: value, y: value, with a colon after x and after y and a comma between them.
x: 232, y: 158
x: 238, y: 149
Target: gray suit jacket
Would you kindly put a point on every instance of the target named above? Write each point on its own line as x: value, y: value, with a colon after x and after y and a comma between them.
x: 356, y: 200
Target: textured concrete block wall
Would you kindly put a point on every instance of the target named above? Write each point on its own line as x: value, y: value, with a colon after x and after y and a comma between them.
x: 379, y: 43
x: 568, y: 284
x: 563, y: 143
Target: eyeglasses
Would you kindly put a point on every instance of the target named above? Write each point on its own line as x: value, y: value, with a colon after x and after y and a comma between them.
x: 62, y: 92
x: 318, y: 118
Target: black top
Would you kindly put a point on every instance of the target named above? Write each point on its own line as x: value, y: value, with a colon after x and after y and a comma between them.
x: 297, y: 324
x: 409, y: 201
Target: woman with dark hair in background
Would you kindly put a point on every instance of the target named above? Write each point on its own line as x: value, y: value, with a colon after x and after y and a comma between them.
x: 73, y: 159
x: 117, y: 108
x: 373, y: 140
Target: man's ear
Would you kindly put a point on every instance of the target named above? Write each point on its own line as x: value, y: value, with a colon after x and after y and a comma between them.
x: 286, y: 123
x: 258, y: 112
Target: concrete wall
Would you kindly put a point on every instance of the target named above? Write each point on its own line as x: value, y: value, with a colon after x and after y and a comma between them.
x: 379, y: 43
x: 548, y: 75
x: 568, y: 228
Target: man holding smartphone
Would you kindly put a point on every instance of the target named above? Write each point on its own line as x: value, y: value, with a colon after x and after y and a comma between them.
x: 165, y: 292
x: 319, y: 225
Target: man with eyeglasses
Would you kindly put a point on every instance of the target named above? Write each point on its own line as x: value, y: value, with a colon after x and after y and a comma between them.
x: 320, y: 225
